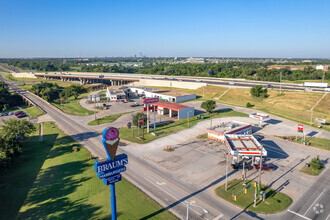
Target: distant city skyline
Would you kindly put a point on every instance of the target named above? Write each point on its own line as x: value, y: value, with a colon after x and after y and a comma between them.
x: 231, y: 29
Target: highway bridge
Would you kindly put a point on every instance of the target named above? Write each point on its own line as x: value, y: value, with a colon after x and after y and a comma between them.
x: 119, y: 79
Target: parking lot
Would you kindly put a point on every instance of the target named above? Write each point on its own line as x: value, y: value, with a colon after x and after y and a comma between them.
x: 203, y: 163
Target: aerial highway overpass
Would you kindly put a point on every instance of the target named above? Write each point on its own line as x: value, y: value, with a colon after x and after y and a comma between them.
x: 119, y: 79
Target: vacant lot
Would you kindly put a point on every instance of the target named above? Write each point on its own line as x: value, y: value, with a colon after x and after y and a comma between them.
x: 291, y: 105
x: 50, y: 181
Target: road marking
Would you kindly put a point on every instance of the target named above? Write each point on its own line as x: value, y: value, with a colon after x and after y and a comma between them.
x: 161, y: 184
x: 327, y: 217
x: 314, y: 201
x: 161, y: 189
x: 302, y: 216
x: 218, y: 217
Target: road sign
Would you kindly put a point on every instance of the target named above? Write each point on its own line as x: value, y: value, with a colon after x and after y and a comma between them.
x: 112, y: 179
x: 320, y: 120
x: 141, y: 121
x: 300, y: 128
x: 150, y: 100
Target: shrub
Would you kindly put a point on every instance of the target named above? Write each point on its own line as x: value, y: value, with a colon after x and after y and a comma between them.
x: 249, y: 105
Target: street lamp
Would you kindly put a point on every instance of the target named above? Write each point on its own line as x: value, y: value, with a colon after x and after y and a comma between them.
x: 188, y: 117
x: 192, y: 204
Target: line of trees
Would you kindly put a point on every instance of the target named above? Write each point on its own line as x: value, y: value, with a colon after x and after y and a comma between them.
x: 51, y: 91
x: 7, y: 99
x: 13, y: 134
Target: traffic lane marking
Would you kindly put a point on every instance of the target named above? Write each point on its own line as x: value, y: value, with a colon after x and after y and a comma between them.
x: 302, y: 216
x: 315, y: 201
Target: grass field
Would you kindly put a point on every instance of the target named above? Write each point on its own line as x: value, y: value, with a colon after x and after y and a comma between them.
x: 50, y: 181
x: 275, y: 201
x: 73, y: 107
x: 106, y: 119
x: 33, y: 111
x: 291, y: 105
x: 10, y: 77
x: 311, y: 171
x: 314, y: 142
x: 126, y: 133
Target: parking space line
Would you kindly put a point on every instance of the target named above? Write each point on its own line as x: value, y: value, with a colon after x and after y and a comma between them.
x: 314, y: 201
x: 327, y: 217
x: 302, y: 216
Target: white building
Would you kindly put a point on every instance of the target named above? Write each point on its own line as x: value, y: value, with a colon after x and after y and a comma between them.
x: 165, y: 95
x: 114, y: 95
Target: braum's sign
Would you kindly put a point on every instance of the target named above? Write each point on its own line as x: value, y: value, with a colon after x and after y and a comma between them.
x: 109, y: 170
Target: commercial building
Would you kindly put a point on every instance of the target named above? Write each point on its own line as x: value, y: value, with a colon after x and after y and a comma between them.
x: 114, y: 95
x: 164, y: 95
x: 218, y: 132
x: 172, y: 109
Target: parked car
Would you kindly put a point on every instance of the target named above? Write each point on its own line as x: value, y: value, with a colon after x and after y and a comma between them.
x: 0, y: 114
x: 264, y: 166
x: 21, y: 115
x: 5, y: 114
x: 258, y: 137
x: 10, y: 113
x: 18, y: 113
x: 238, y: 166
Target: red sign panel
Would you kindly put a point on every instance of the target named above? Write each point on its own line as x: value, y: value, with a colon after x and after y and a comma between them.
x: 300, y: 128
x: 141, y: 121
x: 150, y: 100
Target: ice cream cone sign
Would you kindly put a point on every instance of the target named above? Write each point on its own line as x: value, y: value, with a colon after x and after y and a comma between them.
x: 111, y: 141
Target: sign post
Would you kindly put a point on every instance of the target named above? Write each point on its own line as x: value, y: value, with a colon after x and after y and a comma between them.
x: 148, y: 101
x: 110, y: 169
x: 140, y: 123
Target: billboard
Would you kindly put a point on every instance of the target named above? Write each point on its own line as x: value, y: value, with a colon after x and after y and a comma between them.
x: 300, y: 128
x: 150, y: 100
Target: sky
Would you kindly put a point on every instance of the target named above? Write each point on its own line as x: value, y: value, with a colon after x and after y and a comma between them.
x: 169, y: 28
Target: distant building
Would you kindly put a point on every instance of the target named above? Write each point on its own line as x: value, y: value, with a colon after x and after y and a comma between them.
x: 321, y: 67
x: 114, y: 95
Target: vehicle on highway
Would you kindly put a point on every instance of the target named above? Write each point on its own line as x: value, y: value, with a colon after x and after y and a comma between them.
x: 231, y: 83
x: 18, y: 113
x: 174, y: 79
x: 21, y: 115
x: 198, y: 80
x: 101, y: 76
x: 264, y: 166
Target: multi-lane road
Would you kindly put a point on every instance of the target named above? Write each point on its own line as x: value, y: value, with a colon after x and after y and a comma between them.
x: 207, y: 80
x: 172, y: 194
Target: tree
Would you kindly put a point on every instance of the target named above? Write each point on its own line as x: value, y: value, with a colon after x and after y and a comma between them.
x: 257, y: 91
x: 138, y: 116
x: 12, y: 135
x: 76, y: 90
x: 208, y: 105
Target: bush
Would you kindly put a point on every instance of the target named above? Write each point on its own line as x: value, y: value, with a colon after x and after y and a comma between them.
x: 137, y: 117
x: 316, y: 163
x: 208, y: 105
x: 258, y: 92
x: 249, y: 105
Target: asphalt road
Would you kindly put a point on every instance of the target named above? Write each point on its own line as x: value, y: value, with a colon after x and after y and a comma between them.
x: 172, y: 194
x: 208, y: 80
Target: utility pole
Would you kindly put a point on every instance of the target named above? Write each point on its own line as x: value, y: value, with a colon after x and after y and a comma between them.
x: 323, y: 76
x: 280, y: 82
x: 255, y: 196
x: 94, y: 107
x: 203, y: 92
x: 260, y: 164
x: 226, y: 170
x: 187, y: 211
x: 188, y: 118
x: 311, y: 117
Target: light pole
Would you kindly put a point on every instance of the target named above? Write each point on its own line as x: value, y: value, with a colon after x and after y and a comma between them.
x: 191, y: 204
x: 226, y: 171
x: 280, y: 82
x: 260, y: 165
x: 188, y: 117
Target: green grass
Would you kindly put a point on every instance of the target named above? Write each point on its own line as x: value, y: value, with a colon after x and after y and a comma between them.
x: 50, y: 181
x: 33, y: 111
x: 126, y: 133
x: 73, y: 107
x: 102, y: 93
x: 106, y: 119
x: 312, y: 141
x: 311, y: 171
x: 10, y: 77
x: 275, y: 201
